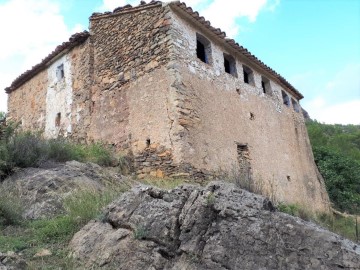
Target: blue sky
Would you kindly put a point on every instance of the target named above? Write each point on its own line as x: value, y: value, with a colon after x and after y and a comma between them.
x: 314, y: 44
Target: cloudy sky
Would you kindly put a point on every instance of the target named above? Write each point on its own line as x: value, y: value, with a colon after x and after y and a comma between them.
x: 314, y: 44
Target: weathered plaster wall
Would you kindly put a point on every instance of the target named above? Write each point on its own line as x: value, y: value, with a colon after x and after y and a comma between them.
x: 221, y: 111
x: 59, y: 99
x: 37, y: 103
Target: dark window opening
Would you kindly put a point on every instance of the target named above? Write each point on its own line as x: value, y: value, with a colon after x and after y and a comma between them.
x: 227, y: 65
x: 230, y: 65
x: 295, y: 105
x: 148, y: 142
x: 288, y: 177
x: 57, y: 120
x: 265, y: 85
x: 238, y: 91
x: 203, y: 49
x: 252, y: 116
x: 248, y: 75
x: 200, y: 51
x: 60, y: 72
x: 286, y: 99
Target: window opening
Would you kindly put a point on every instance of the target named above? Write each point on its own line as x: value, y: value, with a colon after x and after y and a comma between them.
x: 265, y: 84
x: 203, y: 49
x: 248, y: 75
x: 230, y: 65
x: 295, y: 105
x: 57, y: 120
x: 148, y: 142
x: 60, y: 72
x: 286, y: 99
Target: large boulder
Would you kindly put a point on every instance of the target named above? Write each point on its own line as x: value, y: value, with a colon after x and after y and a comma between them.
x: 42, y: 190
x: 216, y: 227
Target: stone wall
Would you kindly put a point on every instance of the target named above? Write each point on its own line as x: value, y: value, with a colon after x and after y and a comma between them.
x: 27, y: 105
x: 82, y: 72
x: 219, y: 112
x: 127, y: 45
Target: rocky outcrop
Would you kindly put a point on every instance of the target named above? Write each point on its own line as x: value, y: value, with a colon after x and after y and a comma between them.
x: 42, y: 190
x: 216, y: 227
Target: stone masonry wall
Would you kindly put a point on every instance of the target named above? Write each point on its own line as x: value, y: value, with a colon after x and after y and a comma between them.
x: 82, y: 72
x: 219, y: 111
x: 127, y: 45
x: 27, y: 105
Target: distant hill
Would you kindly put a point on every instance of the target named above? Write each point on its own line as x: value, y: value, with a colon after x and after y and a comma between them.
x: 337, y: 153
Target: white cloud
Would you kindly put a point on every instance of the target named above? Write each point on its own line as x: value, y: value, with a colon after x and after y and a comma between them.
x: 346, y: 81
x: 30, y: 30
x: 224, y: 15
x: 331, y: 97
x: 341, y: 113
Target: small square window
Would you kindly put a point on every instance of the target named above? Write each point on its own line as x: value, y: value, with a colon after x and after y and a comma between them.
x: 295, y: 105
x: 248, y: 75
x: 265, y: 85
x: 203, y: 49
x: 60, y: 72
x: 285, y: 98
x: 230, y: 65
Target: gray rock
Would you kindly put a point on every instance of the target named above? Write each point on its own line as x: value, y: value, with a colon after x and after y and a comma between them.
x: 217, y: 227
x: 10, y: 261
x: 42, y: 190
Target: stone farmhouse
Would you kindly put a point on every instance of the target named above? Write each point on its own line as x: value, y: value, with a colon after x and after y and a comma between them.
x: 157, y: 81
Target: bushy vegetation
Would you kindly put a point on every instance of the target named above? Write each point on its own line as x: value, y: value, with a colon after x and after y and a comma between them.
x: 25, y: 149
x: 337, y: 154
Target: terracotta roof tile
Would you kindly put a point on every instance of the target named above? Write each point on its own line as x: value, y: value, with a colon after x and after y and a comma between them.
x: 81, y: 37
x: 235, y: 45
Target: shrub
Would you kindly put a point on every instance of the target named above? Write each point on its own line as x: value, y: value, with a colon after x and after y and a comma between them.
x: 295, y: 210
x: 27, y: 150
x: 62, y: 150
x: 10, y: 209
x: 99, y: 154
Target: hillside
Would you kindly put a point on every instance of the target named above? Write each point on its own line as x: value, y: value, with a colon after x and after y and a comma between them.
x: 337, y: 154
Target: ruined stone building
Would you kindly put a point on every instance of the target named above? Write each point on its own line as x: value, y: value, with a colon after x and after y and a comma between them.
x: 159, y: 82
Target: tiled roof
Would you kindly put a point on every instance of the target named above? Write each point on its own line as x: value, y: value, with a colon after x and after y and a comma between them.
x: 74, y: 40
x: 217, y: 31
x: 81, y: 37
